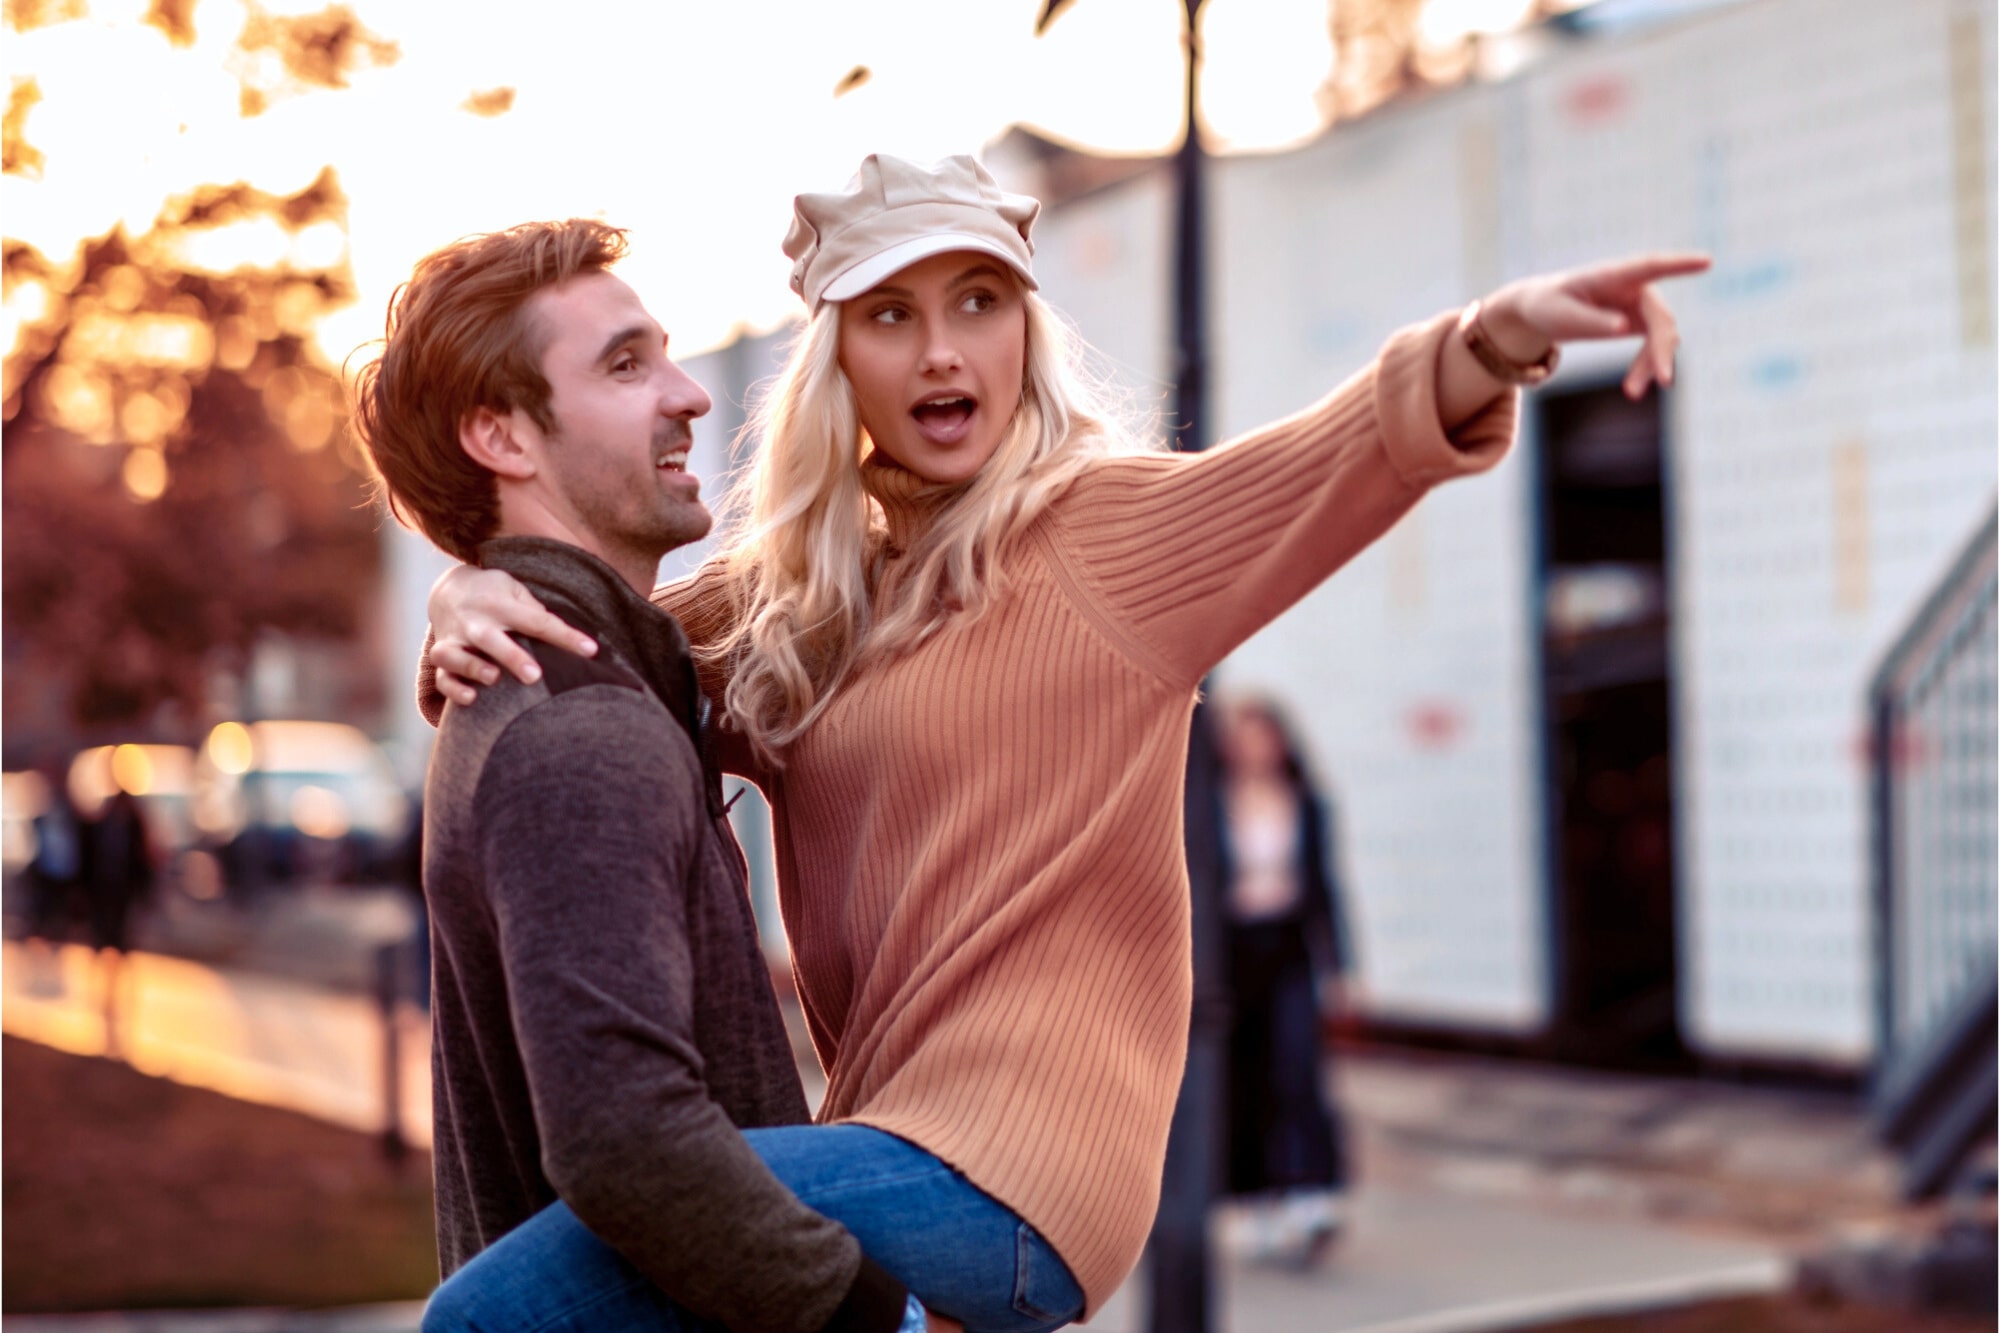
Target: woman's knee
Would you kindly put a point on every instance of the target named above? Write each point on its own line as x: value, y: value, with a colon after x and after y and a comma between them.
x: 549, y: 1275
x: 454, y: 1307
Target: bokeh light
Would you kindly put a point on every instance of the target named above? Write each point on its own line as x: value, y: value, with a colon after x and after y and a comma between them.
x: 230, y: 749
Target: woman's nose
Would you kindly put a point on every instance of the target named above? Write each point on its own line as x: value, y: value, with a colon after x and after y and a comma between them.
x: 941, y: 352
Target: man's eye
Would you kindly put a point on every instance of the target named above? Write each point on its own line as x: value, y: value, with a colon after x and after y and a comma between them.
x: 624, y: 363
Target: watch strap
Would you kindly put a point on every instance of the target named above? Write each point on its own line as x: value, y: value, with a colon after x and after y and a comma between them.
x: 1497, y: 363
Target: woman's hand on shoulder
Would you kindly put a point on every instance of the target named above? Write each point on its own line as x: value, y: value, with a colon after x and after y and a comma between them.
x: 472, y: 612
x: 1617, y: 299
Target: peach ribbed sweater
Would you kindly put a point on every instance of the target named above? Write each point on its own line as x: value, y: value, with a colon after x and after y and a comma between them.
x: 979, y: 843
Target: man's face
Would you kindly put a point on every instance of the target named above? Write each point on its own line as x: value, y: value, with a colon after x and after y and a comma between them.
x: 615, y: 469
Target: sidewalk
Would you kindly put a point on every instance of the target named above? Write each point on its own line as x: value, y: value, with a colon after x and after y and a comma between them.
x: 1792, y: 1167
x: 1423, y: 1260
x: 1496, y: 1194
x: 251, y: 1035
x: 1493, y: 1194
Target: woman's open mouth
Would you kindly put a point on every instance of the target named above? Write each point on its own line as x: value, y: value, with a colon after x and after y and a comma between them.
x: 945, y: 418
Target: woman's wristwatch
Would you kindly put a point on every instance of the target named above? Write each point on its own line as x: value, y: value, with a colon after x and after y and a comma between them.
x: 1497, y: 363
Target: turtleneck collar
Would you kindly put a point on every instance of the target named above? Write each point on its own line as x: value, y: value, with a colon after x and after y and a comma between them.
x: 591, y: 595
x: 909, y: 503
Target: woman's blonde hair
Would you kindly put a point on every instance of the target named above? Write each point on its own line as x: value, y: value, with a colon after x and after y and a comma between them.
x: 806, y: 543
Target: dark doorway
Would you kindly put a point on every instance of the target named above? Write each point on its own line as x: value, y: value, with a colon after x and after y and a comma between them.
x: 1605, y: 622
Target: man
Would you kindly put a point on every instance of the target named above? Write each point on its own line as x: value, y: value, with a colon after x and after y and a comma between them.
x: 603, y: 1020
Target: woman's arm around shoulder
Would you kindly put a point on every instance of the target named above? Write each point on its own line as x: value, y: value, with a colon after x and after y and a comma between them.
x: 473, y: 612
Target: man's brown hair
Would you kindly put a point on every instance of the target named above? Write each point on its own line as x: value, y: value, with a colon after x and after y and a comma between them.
x: 458, y: 339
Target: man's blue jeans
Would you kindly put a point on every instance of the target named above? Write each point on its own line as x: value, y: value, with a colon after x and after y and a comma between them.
x: 958, y: 1250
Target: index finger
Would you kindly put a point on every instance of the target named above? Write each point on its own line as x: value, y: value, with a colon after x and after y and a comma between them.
x: 1651, y: 268
x: 541, y: 623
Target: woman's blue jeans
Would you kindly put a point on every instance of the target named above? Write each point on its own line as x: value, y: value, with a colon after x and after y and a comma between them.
x: 958, y: 1250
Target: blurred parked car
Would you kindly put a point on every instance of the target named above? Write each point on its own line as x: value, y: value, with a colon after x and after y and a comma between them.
x: 284, y: 801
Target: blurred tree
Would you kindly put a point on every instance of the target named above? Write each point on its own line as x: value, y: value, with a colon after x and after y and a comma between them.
x: 177, y: 476
x: 1375, y: 54
x: 176, y: 473
x: 277, y: 57
x: 1381, y: 48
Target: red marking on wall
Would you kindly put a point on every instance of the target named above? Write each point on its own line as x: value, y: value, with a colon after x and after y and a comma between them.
x: 1908, y: 748
x: 1097, y: 250
x: 1435, y: 724
x: 1597, y: 101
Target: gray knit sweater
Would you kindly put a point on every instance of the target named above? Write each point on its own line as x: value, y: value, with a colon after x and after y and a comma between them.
x: 603, y: 1018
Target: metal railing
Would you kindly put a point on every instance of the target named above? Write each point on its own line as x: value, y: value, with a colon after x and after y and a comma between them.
x: 1935, y: 892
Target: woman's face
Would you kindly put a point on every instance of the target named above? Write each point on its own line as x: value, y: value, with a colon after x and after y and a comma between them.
x: 936, y: 354
x: 1252, y: 743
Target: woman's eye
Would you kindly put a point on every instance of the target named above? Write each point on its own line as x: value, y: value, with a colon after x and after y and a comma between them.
x: 889, y: 314
x: 977, y: 303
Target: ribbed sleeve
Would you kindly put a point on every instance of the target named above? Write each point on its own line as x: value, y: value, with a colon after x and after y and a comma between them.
x: 1196, y: 554
x: 702, y: 603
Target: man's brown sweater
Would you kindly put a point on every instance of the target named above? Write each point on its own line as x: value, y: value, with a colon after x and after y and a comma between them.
x: 603, y: 1017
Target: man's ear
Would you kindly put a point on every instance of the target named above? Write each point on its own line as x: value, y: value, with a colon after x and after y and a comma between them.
x: 497, y: 442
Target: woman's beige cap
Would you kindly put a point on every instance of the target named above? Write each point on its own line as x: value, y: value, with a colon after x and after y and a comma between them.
x: 894, y: 213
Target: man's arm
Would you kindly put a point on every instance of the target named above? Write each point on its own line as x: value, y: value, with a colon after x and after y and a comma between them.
x: 592, y: 826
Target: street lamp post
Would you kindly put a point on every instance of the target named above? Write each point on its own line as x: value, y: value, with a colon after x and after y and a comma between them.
x: 1179, y: 1289
x: 1190, y: 259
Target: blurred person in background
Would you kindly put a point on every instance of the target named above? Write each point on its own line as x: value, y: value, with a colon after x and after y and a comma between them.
x: 118, y: 869
x: 56, y: 870
x: 1288, y: 966
x: 117, y: 875
x: 957, y: 639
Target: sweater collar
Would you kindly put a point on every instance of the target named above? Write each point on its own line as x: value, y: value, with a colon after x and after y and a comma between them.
x: 589, y: 594
x: 909, y: 503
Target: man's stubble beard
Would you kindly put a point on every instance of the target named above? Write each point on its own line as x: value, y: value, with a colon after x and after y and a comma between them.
x: 662, y: 526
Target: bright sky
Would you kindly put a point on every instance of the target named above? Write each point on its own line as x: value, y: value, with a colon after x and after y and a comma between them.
x: 693, y: 124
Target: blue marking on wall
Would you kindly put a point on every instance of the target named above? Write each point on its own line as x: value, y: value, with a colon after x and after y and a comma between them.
x: 1749, y: 281
x: 1777, y: 372
x: 1335, y: 332
x: 1712, y: 197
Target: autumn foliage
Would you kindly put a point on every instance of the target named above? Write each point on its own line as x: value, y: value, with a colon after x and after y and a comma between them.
x: 177, y: 473
x: 178, y: 477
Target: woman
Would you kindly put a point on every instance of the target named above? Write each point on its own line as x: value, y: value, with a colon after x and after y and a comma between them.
x: 1287, y: 950
x: 956, y: 637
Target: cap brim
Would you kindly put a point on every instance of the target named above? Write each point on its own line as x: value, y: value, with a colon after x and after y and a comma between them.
x: 880, y: 267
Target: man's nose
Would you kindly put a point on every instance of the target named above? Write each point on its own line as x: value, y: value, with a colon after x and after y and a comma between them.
x: 680, y: 396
